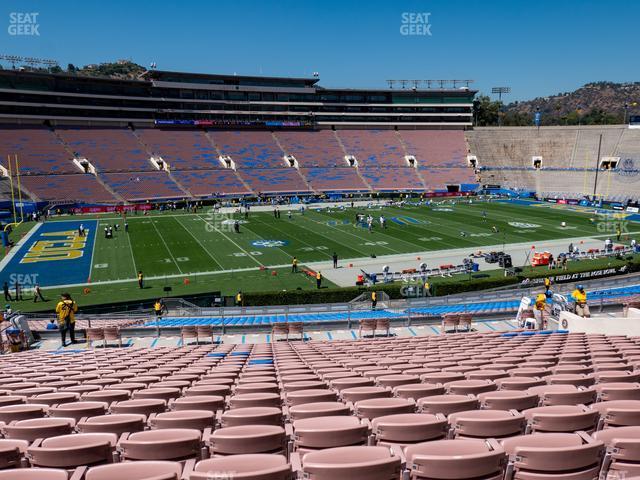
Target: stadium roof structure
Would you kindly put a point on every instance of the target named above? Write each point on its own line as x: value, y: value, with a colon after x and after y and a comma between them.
x: 224, y: 79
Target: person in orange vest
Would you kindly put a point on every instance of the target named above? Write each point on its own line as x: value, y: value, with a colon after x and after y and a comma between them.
x: 374, y: 300
x: 319, y: 280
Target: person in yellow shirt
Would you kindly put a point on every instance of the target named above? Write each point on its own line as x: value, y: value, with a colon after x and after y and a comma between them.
x: 319, y: 280
x: 66, y: 310
x: 294, y: 265
x: 579, y: 296
x: 374, y: 300
x: 239, y: 298
x: 547, y: 284
x: 539, y: 308
x: 140, y: 279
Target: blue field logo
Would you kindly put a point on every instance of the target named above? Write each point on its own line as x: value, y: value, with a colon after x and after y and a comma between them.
x: 56, y: 253
x: 404, y: 220
x: 269, y: 243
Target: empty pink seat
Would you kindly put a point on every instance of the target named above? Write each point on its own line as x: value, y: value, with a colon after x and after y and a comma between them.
x: 195, y: 419
x: 107, y: 396
x: 563, y: 394
x: 623, y: 451
x: 198, y: 402
x: 561, y: 418
x: 309, y: 410
x: 251, y: 416
x: 618, y: 391
x: 617, y: 376
x: 618, y: 413
x: 145, y: 406
x: 377, y: 407
x: 508, y: 400
x: 54, y: 398
x: 518, y: 383
x: 34, y: 474
x: 299, y: 397
x: 351, y: 382
x: 553, y: 455
x: 163, y: 393
x: 12, y: 452
x: 455, y: 459
x: 357, y: 463
x: 35, y: 428
x: 248, y: 439
x: 397, y: 379
x: 255, y: 400
x: 409, y: 428
x: 447, y: 404
x: 164, y: 444
x: 487, y: 423
x: 70, y: 451
x: 257, y: 387
x: 575, y: 379
x: 418, y: 390
x: 140, y: 470
x: 78, y: 410
x: 355, y: 394
x: 474, y: 387
x: 114, y: 423
x: 328, y: 432
x: 258, y: 466
x: 11, y: 413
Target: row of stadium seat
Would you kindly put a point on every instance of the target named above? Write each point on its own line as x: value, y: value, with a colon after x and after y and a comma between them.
x: 455, y: 407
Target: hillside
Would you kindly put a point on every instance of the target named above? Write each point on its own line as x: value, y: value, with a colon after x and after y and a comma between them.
x: 593, y: 104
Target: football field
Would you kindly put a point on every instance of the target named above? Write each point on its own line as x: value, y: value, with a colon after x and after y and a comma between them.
x: 198, y: 253
x: 179, y: 244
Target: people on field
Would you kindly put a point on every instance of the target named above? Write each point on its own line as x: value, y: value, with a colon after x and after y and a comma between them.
x: 547, y: 284
x: 140, y: 279
x: 334, y: 257
x: 318, y: 280
x: 66, y: 310
x: 579, y: 297
x: 238, y: 299
x: 37, y: 293
x: 294, y: 265
x: 374, y: 300
x: 7, y: 294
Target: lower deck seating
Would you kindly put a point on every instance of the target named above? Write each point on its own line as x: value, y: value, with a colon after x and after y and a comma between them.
x: 211, y: 182
x: 143, y: 185
x: 402, y: 178
x: 75, y: 188
x: 442, y: 407
x: 334, y: 179
x: 273, y: 180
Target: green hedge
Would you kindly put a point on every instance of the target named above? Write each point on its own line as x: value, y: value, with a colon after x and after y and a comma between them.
x: 342, y: 295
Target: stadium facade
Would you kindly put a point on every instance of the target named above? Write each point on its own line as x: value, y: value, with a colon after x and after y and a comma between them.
x: 227, y: 100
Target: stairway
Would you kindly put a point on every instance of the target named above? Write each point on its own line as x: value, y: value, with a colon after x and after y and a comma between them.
x: 284, y: 152
x: 344, y: 150
x: 406, y: 152
x: 213, y: 144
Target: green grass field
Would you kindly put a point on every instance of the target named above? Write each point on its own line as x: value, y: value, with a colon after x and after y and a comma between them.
x: 179, y: 244
x: 171, y: 246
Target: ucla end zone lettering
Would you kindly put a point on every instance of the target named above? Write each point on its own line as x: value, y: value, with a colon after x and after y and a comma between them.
x: 56, y: 251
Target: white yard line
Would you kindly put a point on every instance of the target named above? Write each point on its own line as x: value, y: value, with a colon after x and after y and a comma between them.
x: 200, y: 243
x: 227, y: 237
x: 166, y: 246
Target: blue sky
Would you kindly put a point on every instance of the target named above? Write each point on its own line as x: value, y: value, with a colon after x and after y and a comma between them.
x: 538, y: 47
